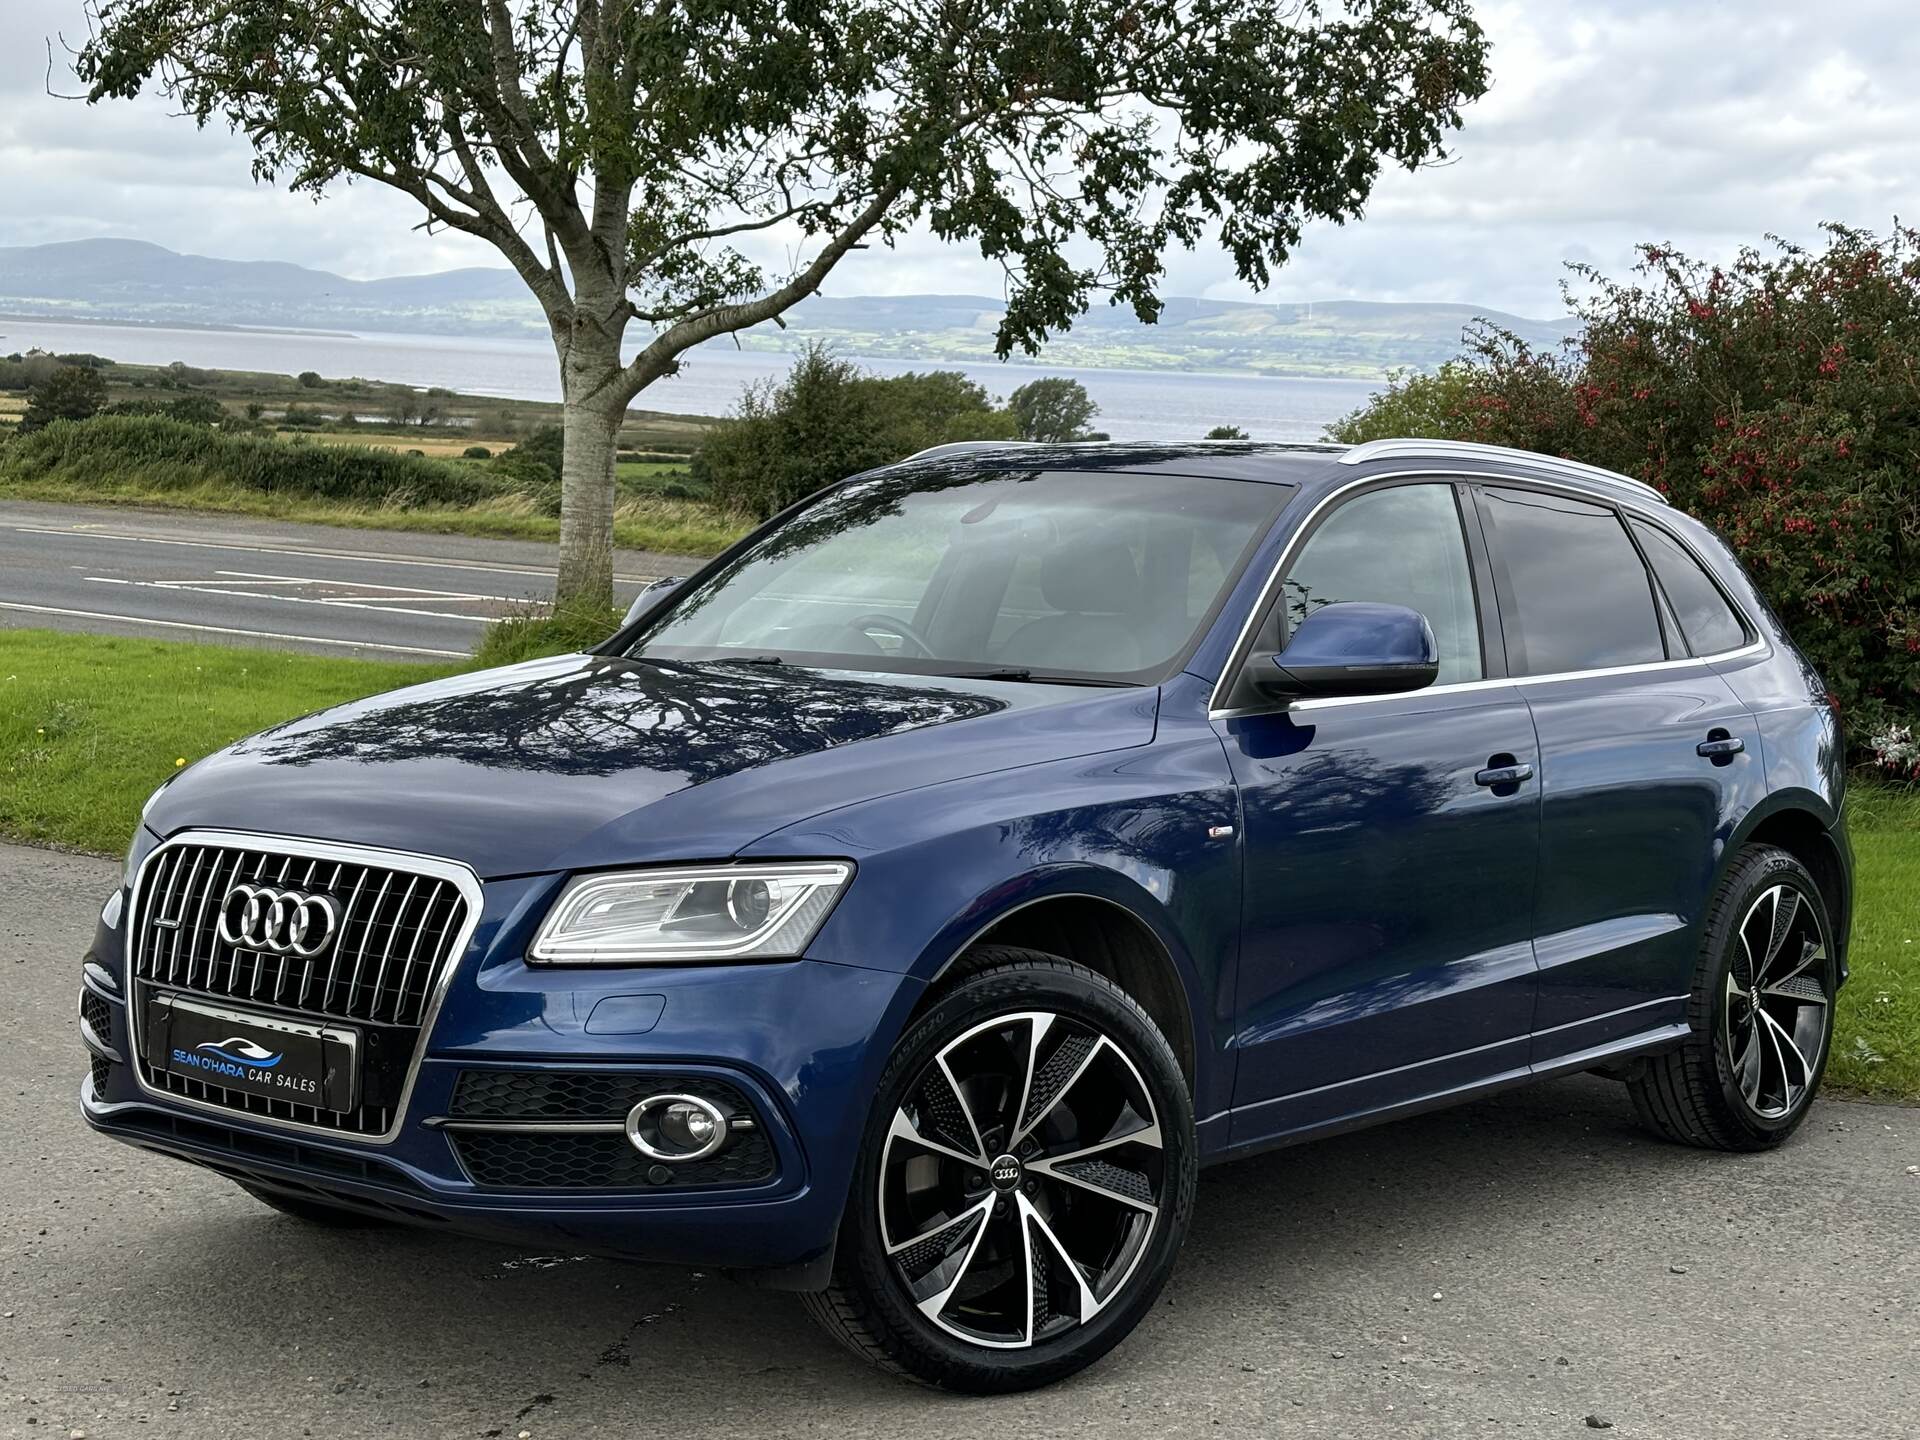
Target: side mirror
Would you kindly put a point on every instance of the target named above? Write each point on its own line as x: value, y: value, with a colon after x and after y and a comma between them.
x: 650, y: 595
x: 1353, y: 648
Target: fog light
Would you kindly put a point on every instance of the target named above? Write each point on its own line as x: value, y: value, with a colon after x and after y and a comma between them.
x: 676, y: 1128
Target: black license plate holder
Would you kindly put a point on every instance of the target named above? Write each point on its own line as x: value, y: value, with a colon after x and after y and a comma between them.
x: 302, y: 1062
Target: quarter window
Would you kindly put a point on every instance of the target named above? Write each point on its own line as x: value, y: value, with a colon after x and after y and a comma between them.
x: 1577, y: 596
x: 1705, y: 617
x: 1401, y: 546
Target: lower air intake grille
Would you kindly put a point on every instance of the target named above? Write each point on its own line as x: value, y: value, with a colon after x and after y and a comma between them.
x: 516, y: 1160
x: 102, y: 1072
x: 531, y: 1160
x: 98, y: 1016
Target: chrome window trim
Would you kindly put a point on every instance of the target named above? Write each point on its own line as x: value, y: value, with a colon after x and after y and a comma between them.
x: 462, y: 878
x: 1237, y: 656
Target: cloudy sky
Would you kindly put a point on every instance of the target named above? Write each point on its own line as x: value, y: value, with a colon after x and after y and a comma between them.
x: 1708, y: 123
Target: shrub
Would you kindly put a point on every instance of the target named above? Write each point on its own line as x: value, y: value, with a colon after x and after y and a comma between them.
x: 827, y: 420
x: 310, y: 379
x: 476, y: 452
x: 1773, y: 398
x: 544, y: 446
x: 1227, y: 432
x: 157, y: 453
x: 72, y: 392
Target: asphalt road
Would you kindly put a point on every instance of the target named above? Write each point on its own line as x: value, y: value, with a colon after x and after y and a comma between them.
x: 239, y: 580
x: 1509, y: 1268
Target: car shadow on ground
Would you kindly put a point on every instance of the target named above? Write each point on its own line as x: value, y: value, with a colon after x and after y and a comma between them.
x: 1290, y: 1252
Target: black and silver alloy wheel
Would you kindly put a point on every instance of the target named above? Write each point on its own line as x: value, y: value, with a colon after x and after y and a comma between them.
x: 1760, y: 1015
x: 1777, y: 994
x: 1025, y: 1183
x: 1021, y: 1180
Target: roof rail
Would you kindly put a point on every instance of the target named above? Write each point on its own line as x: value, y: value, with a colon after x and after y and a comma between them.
x: 1470, y: 449
x: 968, y: 447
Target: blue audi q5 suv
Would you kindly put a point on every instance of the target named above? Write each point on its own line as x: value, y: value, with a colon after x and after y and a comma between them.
x: 901, y: 909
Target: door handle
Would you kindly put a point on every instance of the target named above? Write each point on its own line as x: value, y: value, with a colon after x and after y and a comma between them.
x: 1719, y: 746
x: 1498, y: 775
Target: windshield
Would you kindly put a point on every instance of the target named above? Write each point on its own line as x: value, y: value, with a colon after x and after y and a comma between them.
x: 1071, y: 576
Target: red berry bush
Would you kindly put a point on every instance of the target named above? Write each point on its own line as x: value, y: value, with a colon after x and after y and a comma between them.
x: 1777, y: 399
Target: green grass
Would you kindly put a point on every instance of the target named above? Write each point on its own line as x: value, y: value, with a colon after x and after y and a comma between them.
x: 89, y: 725
x: 1876, y: 1044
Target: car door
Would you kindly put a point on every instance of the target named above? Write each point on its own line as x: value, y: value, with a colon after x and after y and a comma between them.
x: 1388, y: 901
x: 1647, y: 756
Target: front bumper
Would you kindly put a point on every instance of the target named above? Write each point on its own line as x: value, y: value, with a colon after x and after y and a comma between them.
x: 799, y: 1044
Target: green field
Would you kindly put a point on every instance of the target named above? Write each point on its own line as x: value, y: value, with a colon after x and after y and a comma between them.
x: 89, y: 725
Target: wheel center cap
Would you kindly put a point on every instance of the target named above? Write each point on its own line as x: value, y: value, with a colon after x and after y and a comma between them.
x: 1006, y: 1172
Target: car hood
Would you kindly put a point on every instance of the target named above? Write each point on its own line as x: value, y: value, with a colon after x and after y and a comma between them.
x: 584, y: 761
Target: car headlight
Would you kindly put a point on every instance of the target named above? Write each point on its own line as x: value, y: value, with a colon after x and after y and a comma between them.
x: 712, y: 912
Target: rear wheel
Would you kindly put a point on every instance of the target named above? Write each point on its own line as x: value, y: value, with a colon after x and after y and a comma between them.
x: 1025, y: 1182
x: 1762, y: 1014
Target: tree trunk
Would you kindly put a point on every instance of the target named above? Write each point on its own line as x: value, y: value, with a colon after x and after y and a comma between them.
x: 592, y: 411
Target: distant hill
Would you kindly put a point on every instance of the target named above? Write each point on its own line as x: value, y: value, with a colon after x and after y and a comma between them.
x: 131, y: 280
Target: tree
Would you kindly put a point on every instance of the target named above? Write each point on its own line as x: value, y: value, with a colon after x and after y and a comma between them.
x: 1227, y: 432
x: 1053, y: 410
x: 623, y: 158
x: 72, y: 392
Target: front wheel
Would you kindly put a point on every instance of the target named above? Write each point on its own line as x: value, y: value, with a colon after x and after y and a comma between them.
x: 1025, y: 1182
x: 1761, y: 1012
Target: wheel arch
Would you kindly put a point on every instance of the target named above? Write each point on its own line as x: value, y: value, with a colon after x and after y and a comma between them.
x: 1089, y: 917
x: 1802, y: 824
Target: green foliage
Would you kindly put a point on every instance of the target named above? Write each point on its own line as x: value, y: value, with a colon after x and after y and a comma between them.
x: 310, y: 379
x: 1773, y: 398
x: 1414, y: 405
x: 71, y: 392
x: 1053, y: 410
x: 544, y: 446
x: 1226, y: 432
x: 476, y: 452
x: 189, y: 409
x: 827, y: 420
x: 160, y: 454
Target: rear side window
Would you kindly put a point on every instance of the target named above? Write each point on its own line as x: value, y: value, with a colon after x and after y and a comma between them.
x: 1706, y: 619
x: 1578, y: 597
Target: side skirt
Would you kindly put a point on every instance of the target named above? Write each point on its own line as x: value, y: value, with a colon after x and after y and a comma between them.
x: 1645, y: 1042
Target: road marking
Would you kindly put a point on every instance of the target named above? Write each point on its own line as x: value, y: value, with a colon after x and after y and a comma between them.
x: 417, y: 592
x: 230, y: 630
x: 181, y: 587
x: 88, y: 533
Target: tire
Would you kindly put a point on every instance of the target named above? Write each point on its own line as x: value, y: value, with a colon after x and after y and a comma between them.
x: 333, y: 1217
x: 1747, y: 1073
x: 1047, y: 1056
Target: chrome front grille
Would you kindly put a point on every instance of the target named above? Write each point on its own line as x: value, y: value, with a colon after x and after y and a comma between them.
x: 398, y: 929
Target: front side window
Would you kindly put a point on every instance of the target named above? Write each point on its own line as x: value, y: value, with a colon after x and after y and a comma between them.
x: 1578, y: 595
x: 1099, y: 578
x: 1706, y: 619
x: 1401, y: 546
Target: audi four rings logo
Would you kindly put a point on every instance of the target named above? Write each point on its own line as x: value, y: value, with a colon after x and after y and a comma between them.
x: 280, y: 922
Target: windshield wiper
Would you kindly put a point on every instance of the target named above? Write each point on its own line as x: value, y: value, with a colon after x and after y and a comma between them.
x: 748, y: 660
x: 1019, y: 674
